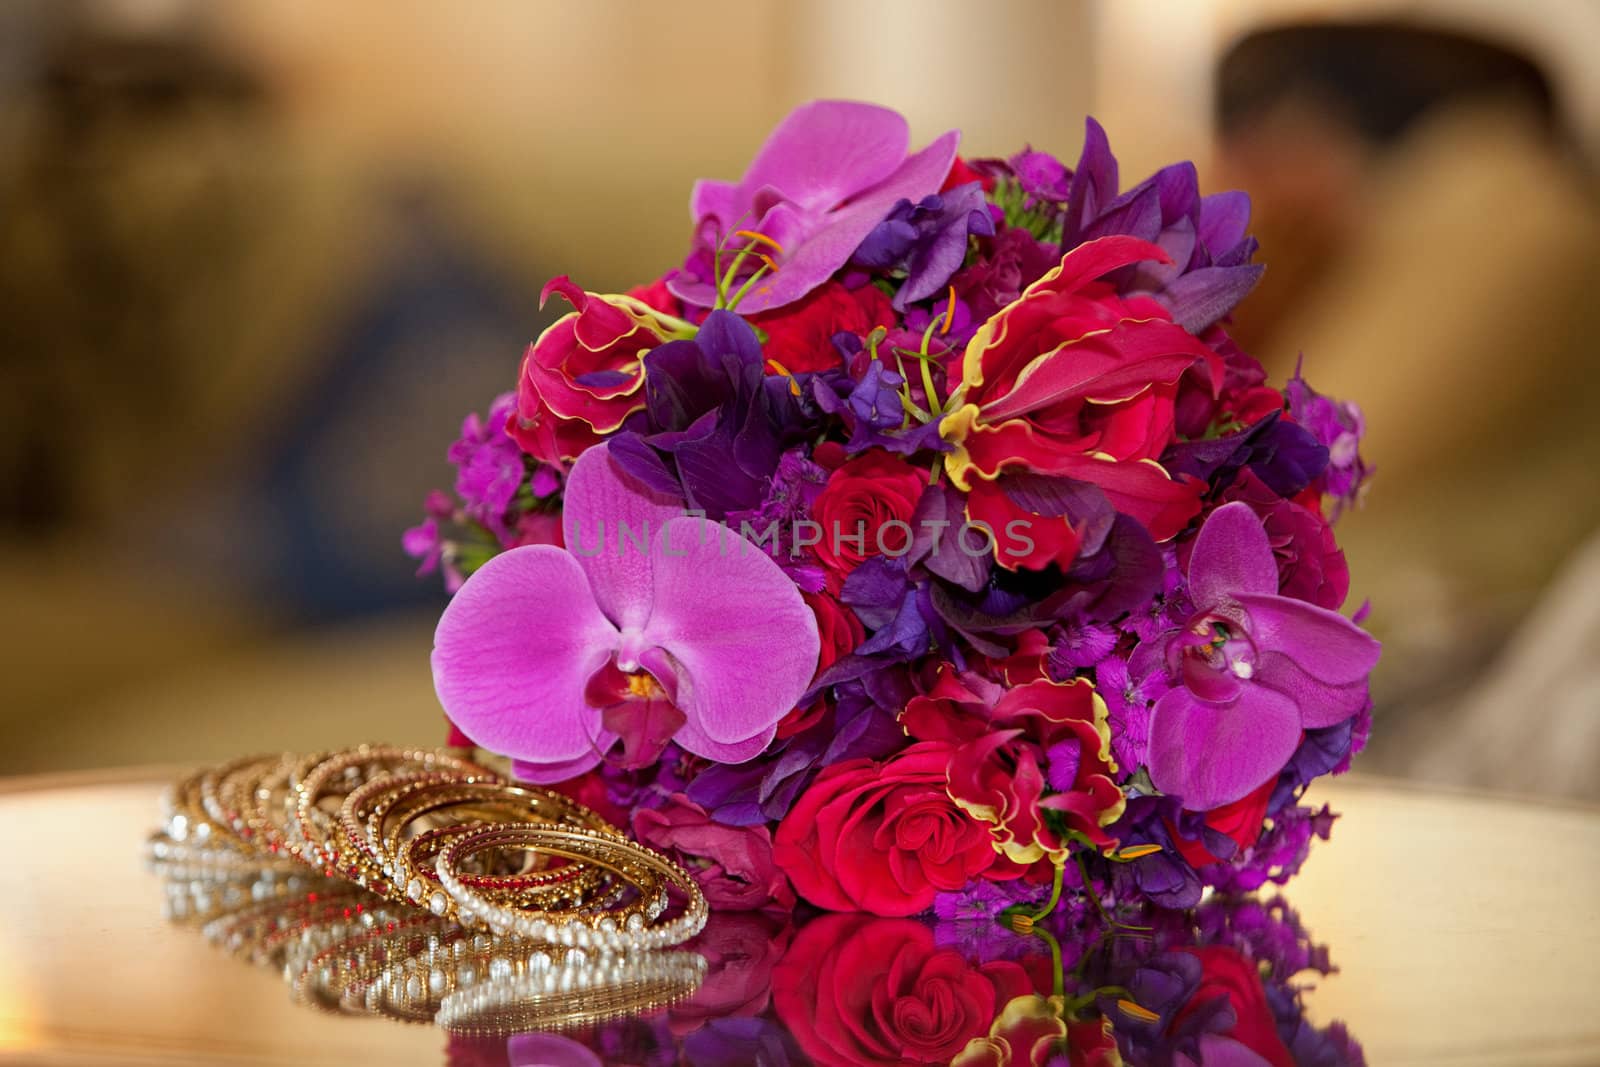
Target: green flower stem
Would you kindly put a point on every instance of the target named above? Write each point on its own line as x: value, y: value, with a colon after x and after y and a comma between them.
x: 1050, y: 905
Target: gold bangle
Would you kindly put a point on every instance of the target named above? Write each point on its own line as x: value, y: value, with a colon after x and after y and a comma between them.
x: 648, y: 871
x: 309, y: 835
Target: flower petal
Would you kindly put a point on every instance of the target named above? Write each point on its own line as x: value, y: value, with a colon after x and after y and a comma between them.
x: 745, y: 642
x: 1323, y: 643
x: 827, y: 151
x: 1213, y: 754
x: 1231, y: 556
x: 1321, y: 703
x: 610, y: 520
x: 513, y: 651
x: 827, y: 249
x: 691, y: 738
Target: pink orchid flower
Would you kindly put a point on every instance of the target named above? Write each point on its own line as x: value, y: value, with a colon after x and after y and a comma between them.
x: 827, y: 175
x: 651, y: 625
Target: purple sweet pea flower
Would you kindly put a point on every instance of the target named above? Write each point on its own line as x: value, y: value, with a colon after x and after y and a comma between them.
x: 827, y: 175
x: 927, y: 240
x: 1210, y: 269
x: 871, y: 409
x: 1253, y: 670
x: 651, y: 625
x: 714, y: 425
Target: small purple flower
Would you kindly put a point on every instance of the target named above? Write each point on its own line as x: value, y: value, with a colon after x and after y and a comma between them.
x: 927, y: 240
x: 1128, y: 704
x: 1339, y: 426
x: 1081, y: 643
x: 794, y: 488
x: 1042, y: 176
x: 489, y: 466
x: 1252, y: 670
x: 423, y: 543
x: 1277, y: 854
x: 871, y: 409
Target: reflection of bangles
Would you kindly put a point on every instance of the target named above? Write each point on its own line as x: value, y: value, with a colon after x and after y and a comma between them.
x: 567, y: 990
x: 648, y: 872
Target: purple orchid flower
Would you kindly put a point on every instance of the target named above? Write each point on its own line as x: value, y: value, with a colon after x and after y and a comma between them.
x: 1252, y: 670
x: 826, y: 177
x: 651, y: 625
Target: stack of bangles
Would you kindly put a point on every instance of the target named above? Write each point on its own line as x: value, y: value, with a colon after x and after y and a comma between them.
x: 428, y: 829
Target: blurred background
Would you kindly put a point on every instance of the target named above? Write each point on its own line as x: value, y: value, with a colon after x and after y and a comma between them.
x: 257, y: 259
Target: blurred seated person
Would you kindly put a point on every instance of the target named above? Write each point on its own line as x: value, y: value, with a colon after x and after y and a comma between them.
x: 1433, y: 245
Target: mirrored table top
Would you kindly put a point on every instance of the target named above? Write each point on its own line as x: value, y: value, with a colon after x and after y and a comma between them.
x: 1456, y: 929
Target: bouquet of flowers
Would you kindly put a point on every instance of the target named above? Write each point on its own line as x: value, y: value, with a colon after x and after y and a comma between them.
x: 1224, y: 984
x: 923, y: 533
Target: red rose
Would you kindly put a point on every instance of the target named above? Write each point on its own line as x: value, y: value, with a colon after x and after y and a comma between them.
x: 733, y: 864
x: 838, y: 627
x: 1225, y: 972
x: 1242, y: 820
x: 881, y: 837
x: 859, y: 991
x: 961, y: 173
x: 1073, y: 380
x: 862, y: 498
x: 800, y: 335
x: 1047, y: 748
x: 841, y: 631
x: 585, y: 374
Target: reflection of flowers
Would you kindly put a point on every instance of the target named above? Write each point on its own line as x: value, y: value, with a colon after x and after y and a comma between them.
x: 1220, y: 985
x: 741, y: 949
x: 1030, y: 1032
x: 858, y: 991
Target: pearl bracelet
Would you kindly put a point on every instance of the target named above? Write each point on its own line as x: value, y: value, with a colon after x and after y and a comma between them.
x: 635, y: 863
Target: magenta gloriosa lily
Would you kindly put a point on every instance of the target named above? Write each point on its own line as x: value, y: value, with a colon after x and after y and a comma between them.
x: 1252, y: 670
x: 656, y: 625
